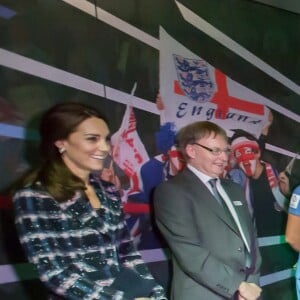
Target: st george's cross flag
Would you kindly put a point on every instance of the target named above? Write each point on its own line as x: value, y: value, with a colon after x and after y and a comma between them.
x: 193, y: 90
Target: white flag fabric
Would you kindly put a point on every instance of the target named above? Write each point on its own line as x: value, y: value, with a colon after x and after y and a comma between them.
x: 193, y: 90
x: 128, y: 150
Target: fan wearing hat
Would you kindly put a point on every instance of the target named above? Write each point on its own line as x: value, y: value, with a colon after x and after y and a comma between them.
x: 266, y: 202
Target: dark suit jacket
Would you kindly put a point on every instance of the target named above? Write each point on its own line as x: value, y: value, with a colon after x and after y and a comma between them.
x: 208, y: 253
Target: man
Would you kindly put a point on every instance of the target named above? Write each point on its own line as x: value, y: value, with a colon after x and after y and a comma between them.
x: 261, y: 185
x: 164, y: 165
x: 267, y: 204
x: 214, y: 247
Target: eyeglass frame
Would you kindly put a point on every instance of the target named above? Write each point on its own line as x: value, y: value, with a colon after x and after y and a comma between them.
x: 214, y: 151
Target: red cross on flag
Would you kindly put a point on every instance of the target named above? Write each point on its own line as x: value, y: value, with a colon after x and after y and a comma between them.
x: 193, y: 90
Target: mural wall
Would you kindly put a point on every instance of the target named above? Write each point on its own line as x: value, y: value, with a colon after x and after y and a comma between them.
x: 151, y: 67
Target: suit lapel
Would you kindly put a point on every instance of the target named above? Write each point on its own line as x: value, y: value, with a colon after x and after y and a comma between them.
x: 199, y: 189
x: 241, y: 211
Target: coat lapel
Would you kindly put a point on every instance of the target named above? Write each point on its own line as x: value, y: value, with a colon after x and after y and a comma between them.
x: 199, y: 189
x: 241, y: 210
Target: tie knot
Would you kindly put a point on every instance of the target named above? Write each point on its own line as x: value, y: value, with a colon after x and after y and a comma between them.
x: 213, y: 182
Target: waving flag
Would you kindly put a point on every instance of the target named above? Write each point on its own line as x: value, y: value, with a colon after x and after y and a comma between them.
x: 129, y: 151
x: 192, y: 90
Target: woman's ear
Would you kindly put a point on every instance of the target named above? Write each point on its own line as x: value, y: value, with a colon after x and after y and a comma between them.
x: 60, y: 146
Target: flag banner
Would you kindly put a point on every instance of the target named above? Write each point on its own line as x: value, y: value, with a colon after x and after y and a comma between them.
x: 128, y: 151
x: 193, y: 90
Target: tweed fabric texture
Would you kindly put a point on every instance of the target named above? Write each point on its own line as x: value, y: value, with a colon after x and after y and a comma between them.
x: 79, y: 252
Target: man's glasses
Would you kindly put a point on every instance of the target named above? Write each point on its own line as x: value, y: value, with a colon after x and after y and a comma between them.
x: 215, y: 151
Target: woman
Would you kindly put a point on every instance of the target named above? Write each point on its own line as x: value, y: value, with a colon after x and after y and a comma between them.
x: 293, y: 229
x: 70, y: 222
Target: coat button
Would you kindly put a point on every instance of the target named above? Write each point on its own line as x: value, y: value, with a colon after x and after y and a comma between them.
x: 240, y: 249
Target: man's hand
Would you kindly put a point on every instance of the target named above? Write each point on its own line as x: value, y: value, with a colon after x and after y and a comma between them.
x: 249, y: 291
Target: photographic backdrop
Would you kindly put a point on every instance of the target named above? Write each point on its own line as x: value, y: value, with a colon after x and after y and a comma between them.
x: 204, y: 60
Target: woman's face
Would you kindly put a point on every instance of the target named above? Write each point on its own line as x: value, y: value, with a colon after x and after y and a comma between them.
x: 86, y: 148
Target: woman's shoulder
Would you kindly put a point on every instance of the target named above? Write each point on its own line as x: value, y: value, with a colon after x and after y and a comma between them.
x: 31, y: 188
x: 33, y: 193
x: 296, y: 191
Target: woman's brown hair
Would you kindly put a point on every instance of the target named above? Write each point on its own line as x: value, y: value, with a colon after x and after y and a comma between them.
x: 57, y: 124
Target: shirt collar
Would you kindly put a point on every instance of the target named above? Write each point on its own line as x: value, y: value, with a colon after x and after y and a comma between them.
x: 203, y: 177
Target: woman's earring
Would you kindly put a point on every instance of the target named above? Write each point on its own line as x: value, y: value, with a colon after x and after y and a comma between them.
x: 61, y: 150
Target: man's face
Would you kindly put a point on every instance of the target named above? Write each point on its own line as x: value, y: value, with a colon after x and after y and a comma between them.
x: 247, y: 158
x: 206, y: 161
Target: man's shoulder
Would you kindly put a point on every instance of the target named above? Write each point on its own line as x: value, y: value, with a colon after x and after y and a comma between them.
x: 229, y: 183
x: 182, y: 180
x: 184, y: 174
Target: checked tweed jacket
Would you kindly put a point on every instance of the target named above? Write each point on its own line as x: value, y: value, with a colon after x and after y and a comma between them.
x: 79, y: 253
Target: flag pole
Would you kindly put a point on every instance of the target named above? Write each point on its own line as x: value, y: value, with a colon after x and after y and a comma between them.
x: 133, y: 89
